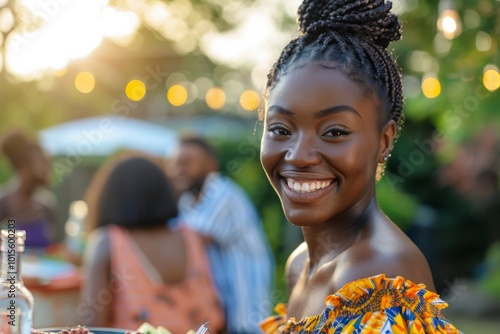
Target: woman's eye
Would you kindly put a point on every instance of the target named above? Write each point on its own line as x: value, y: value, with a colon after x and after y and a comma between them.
x: 279, y: 130
x: 335, y: 132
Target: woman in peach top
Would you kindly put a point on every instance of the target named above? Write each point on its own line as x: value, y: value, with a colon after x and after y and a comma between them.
x: 136, y: 269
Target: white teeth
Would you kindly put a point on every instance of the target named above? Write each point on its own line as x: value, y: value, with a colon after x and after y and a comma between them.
x: 306, y: 187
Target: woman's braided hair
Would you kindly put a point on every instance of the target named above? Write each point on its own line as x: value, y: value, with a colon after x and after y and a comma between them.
x: 352, y: 35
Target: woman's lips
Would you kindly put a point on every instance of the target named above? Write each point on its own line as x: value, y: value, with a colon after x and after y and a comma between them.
x: 304, y: 191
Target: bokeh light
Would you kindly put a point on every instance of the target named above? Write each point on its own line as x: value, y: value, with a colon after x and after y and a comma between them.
x: 135, y: 90
x: 119, y: 25
x: 215, y: 98
x: 85, y: 82
x: 472, y: 19
x: 249, y: 100
x: 68, y: 30
x: 177, y: 95
x: 203, y: 85
x: 6, y: 20
x: 411, y: 86
x: 442, y: 45
x: 483, y: 41
x: 431, y: 87
x: 176, y: 79
x: 491, y: 79
x: 449, y: 23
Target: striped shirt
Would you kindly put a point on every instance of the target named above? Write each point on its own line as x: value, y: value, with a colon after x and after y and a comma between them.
x: 240, y: 256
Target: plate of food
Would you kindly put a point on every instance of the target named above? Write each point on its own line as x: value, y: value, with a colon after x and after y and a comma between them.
x: 84, y: 330
x: 145, y: 328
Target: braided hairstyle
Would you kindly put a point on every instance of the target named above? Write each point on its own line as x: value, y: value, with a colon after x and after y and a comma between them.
x: 353, y: 36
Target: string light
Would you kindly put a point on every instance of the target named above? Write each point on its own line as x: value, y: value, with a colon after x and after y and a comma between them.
x: 177, y: 95
x: 215, y: 98
x: 431, y: 87
x: 135, y: 90
x: 249, y: 100
x: 85, y: 82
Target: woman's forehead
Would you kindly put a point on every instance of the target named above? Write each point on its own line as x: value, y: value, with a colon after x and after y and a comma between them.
x: 314, y: 83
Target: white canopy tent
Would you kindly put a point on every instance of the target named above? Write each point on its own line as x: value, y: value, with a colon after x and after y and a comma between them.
x: 101, y: 136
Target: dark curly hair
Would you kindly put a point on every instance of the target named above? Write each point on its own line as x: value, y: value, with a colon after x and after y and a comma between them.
x: 132, y: 191
x: 352, y: 35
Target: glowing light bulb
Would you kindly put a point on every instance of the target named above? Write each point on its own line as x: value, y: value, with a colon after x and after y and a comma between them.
x: 215, y: 98
x: 177, y: 95
x: 135, y: 90
x: 249, y: 100
x: 431, y: 87
x: 85, y: 82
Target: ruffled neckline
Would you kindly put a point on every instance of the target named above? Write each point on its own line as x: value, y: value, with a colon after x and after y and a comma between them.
x: 368, y: 296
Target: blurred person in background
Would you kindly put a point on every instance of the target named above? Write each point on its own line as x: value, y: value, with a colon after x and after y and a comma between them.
x: 137, y: 270
x: 474, y: 172
x: 473, y: 249
x: 24, y: 197
x: 239, y: 252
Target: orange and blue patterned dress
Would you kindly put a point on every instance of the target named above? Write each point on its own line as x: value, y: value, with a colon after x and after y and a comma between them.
x: 371, y: 305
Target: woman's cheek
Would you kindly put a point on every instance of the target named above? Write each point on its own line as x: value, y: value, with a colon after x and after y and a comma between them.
x: 269, y: 155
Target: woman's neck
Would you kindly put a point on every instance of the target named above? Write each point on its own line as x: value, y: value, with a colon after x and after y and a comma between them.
x: 26, y: 188
x: 331, y: 238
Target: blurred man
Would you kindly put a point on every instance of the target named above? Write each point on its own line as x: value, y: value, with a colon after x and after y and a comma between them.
x: 240, y: 256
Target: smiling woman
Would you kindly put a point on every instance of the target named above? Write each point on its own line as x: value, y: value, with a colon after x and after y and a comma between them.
x: 332, y: 107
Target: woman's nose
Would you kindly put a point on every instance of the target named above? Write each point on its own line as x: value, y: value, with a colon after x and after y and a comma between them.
x: 302, y: 151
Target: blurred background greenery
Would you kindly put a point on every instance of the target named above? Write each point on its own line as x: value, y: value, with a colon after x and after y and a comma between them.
x: 199, y: 66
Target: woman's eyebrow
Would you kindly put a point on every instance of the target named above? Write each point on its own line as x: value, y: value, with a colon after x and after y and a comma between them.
x: 318, y: 114
x: 280, y: 110
x: 334, y: 110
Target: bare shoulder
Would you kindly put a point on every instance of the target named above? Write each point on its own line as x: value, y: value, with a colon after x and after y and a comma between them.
x: 393, y: 255
x: 96, y: 261
x: 97, y: 251
x: 97, y: 276
x: 295, y: 264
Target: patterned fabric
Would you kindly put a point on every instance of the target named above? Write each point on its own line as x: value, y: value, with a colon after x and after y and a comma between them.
x: 371, y: 305
x: 240, y: 256
x: 139, y: 295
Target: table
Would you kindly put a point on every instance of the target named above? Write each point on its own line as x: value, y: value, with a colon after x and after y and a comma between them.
x: 55, y: 286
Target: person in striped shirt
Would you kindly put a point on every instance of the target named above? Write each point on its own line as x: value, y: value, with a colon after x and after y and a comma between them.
x: 239, y: 253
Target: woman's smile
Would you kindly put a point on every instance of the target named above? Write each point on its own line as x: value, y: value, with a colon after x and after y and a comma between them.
x: 305, y: 191
x: 306, y: 186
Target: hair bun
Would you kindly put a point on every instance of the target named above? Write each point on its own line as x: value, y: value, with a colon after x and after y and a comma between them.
x: 369, y: 19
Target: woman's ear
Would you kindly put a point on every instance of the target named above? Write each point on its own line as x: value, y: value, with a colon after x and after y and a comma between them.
x: 387, y: 136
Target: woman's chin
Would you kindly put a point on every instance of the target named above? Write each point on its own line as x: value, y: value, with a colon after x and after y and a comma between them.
x: 301, y: 219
